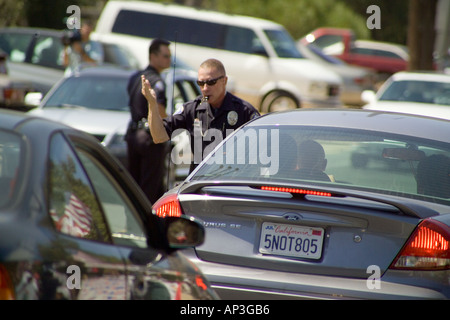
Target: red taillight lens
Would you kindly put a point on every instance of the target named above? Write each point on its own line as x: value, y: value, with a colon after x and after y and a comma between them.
x: 6, y: 289
x: 427, y: 248
x: 296, y: 190
x: 168, y: 206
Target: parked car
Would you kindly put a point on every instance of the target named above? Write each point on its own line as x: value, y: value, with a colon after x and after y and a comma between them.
x: 386, y: 58
x: 96, y: 101
x: 36, y: 55
x: 355, y: 79
x: 75, y: 225
x: 288, y: 216
x: 421, y: 93
x: 12, y: 91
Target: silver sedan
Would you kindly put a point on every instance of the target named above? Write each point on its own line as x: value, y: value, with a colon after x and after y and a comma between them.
x: 288, y: 215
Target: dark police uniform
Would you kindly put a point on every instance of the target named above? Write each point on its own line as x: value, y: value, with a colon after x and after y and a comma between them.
x: 145, y: 158
x: 198, y: 116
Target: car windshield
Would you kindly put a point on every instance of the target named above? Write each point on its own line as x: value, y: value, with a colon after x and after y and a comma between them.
x: 105, y: 93
x: 10, y: 158
x: 325, y: 57
x: 418, y: 91
x: 283, y: 44
x: 346, y: 158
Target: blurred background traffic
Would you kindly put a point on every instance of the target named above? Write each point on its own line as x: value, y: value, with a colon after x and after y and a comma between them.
x: 362, y: 44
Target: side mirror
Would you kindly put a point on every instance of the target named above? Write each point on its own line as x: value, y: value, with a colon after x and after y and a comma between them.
x: 368, y: 96
x: 33, y: 98
x: 184, y: 232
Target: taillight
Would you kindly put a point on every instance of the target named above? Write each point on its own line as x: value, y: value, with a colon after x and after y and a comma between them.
x: 6, y: 289
x: 168, y: 206
x: 427, y: 248
x: 296, y: 190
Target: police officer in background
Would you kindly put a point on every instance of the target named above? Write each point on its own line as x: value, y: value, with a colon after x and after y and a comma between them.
x: 216, y: 109
x: 146, y: 159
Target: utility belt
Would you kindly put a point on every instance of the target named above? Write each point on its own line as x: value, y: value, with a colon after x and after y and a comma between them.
x: 138, y: 125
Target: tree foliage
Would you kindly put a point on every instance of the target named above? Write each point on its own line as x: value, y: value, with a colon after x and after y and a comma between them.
x: 38, y: 13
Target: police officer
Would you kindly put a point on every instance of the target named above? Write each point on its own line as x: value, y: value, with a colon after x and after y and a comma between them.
x: 146, y: 159
x: 210, y: 117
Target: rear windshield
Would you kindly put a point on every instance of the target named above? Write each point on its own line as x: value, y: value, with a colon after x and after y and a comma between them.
x: 10, y: 154
x: 360, y: 160
x: 98, y: 93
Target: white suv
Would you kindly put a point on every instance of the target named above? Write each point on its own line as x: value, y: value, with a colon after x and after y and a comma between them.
x: 259, y: 55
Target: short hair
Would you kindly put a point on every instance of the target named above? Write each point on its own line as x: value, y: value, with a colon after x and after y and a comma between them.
x: 156, y: 44
x: 213, y: 63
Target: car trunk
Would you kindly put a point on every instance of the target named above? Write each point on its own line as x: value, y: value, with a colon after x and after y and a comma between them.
x: 297, y: 230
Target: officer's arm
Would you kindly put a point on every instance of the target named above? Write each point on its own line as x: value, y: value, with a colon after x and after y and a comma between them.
x: 162, y: 110
x: 157, y: 129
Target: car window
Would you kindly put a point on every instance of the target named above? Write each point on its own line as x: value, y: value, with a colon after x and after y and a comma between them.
x: 15, y: 45
x: 418, y: 91
x: 242, y: 40
x: 48, y: 52
x: 119, y: 55
x: 375, y: 52
x: 107, y: 93
x: 10, y: 156
x: 283, y: 44
x: 73, y: 206
x: 120, y: 214
x: 138, y: 24
x: 185, y: 91
x: 359, y: 160
x: 175, y: 29
x: 330, y: 44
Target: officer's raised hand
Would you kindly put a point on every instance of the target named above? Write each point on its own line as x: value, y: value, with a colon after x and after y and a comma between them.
x: 147, y: 91
x: 155, y: 122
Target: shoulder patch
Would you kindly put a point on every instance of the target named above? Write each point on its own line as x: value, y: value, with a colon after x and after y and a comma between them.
x: 159, y: 85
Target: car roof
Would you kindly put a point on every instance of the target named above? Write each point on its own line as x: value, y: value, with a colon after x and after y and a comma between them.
x: 104, y: 71
x: 399, y: 49
x: 117, y: 71
x: 421, y: 76
x: 377, y: 121
x: 15, y: 120
x: 31, y: 30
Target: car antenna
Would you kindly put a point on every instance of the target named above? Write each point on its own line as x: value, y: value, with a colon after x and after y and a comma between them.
x: 172, y: 107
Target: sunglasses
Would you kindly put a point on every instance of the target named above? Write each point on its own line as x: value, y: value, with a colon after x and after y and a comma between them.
x: 209, y: 82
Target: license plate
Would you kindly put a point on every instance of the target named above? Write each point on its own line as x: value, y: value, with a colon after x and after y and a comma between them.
x: 292, y: 241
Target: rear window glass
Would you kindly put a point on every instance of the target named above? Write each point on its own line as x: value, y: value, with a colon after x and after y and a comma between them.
x: 359, y: 160
x: 99, y: 93
x: 15, y: 45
